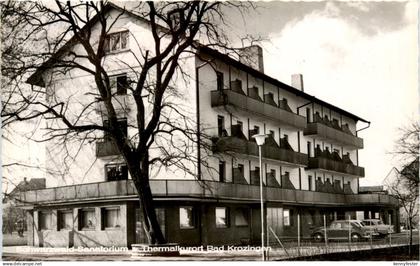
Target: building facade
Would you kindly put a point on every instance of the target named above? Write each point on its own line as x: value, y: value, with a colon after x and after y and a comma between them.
x: 310, y: 160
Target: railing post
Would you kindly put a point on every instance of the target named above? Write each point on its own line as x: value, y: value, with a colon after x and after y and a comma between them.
x: 390, y: 234
x: 349, y: 234
x: 166, y: 187
x: 298, y: 231
x: 325, y: 234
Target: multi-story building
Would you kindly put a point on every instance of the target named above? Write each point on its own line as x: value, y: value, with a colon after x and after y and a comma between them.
x: 310, y: 161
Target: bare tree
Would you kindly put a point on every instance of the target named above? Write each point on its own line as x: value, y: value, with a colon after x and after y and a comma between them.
x: 405, y: 187
x: 166, y: 135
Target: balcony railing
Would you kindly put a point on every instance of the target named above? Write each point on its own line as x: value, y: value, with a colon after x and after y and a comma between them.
x: 201, y: 189
x: 244, y: 146
x: 122, y: 105
x: 106, y: 148
x: 329, y: 132
x: 249, y: 104
x: 335, y: 166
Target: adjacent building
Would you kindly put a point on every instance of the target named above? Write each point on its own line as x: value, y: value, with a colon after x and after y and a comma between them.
x: 310, y: 159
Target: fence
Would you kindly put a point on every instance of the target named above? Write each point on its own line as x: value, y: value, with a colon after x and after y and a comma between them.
x: 328, y: 235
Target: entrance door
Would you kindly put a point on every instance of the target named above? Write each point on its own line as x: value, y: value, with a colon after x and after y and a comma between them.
x: 141, y: 237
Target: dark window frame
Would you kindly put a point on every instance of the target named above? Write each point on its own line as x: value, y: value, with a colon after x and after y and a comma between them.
x: 245, y: 213
x: 219, y: 81
x: 81, y: 216
x: 124, y: 174
x: 60, y: 220
x: 222, y: 171
x: 40, y: 220
x: 227, y: 217
x: 104, y: 220
x: 193, y: 218
x: 109, y: 41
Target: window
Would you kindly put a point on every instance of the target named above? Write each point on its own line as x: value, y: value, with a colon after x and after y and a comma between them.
x: 176, y: 17
x: 257, y: 129
x: 241, y: 217
x: 272, y: 133
x: 115, y: 172
x: 220, y: 125
x: 286, y: 137
x: 122, y: 125
x: 45, y: 220
x: 273, y: 173
x: 222, y: 217
x: 116, y: 41
x: 335, y: 225
x: 87, y: 219
x: 308, y: 115
x: 309, y: 145
x: 241, y: 168
x: 111, y: 217
x: 219, y: 76
x: 65, y: 220
x: 186, y: 218
x: 286, y: 217
x: 309, y: 182
x: 240, y: 124
x: 222, y: 171
x: 122, y: 85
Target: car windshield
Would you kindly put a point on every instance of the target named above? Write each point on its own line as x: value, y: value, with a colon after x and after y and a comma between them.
x: 357, y: 225
x: 365, y: 223
x: 380, y: 222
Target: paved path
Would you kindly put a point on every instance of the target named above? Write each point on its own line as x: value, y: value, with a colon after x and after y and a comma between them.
x: 14, y: 253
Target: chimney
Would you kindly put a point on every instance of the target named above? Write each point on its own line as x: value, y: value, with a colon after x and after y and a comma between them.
x: 297, y: 81
x: 252, y: 56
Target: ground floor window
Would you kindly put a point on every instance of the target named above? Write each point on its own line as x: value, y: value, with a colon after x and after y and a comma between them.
x: 111, y: 217
x: 287, y: 217
x: 87, y: 219
x: 45, y: 220
x: 222, y: 217
x: 242, y: 217
x: 65, y: 219
x: 186, y: 218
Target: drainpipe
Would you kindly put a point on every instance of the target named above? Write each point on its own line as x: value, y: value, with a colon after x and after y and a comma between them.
x: 357, y: 152
x: 197, y: 85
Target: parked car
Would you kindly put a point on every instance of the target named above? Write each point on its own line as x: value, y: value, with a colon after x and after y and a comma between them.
x: 341, y: 230
x: 379, y: 226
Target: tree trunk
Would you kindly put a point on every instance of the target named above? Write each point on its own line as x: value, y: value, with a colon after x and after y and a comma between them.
x: 154, y: 232
x: 410, y: 248
x: 141, y: 182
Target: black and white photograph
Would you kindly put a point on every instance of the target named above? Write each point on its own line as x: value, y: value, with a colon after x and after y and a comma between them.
x: 172, y: 131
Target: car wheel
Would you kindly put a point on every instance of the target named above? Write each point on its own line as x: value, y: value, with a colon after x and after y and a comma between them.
x: 318, y: 237
x: 355, y: 237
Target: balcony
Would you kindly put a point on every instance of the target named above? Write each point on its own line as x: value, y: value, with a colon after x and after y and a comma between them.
x: 335, y: 166
x: 257, y: 106
x: 106, y: 148
x: 122, y: 105
x: 162, y: 189
x: 329, y: 130
x: 244, y: 146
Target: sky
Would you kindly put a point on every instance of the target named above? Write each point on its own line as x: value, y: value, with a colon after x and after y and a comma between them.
x: 359, y: 56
